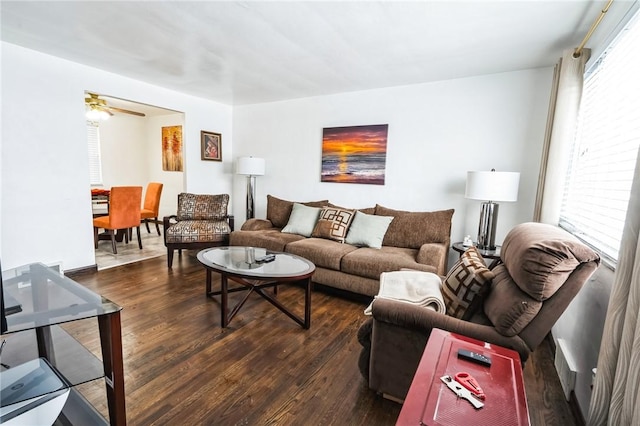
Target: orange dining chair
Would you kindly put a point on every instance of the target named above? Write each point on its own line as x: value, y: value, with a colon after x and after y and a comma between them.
x: 149, y: 212
x: 124, y: 213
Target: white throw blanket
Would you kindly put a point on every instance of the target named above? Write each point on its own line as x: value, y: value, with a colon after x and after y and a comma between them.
x: 415, y: 287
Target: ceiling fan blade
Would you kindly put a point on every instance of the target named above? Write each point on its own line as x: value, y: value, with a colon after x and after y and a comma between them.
x: 126, y: 111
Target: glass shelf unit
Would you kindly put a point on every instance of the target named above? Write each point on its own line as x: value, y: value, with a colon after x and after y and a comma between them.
x: 45, y: 300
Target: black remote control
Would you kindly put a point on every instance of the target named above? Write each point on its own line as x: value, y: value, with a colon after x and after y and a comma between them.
x: 266, y: 259
x: 474, y: 357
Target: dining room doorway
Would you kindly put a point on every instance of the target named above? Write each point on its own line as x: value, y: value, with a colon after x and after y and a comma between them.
x: 129, y: 152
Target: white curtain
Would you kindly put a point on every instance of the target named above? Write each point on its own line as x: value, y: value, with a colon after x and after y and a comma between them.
x: 561, y: 123
x: 615, y: 399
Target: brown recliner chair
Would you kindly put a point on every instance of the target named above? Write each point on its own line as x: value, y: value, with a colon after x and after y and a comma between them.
x: 542, y: 269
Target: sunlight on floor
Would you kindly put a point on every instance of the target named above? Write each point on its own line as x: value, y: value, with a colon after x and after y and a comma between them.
x: 152, y: 246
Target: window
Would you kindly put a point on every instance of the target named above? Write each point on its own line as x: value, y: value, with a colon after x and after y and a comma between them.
x: 598, y: 184
x: 95, y: 165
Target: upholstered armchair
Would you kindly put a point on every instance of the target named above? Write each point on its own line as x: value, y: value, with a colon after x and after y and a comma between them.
x: 542, y: 268
x: 202, y: 221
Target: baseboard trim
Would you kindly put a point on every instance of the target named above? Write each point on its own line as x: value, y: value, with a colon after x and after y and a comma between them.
x: 392, y: 398
x: 79, y: 271
x: 573, y: 399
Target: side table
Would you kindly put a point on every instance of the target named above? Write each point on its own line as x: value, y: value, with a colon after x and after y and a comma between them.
x: 494, y: 255
x: 46, y: 300
x: 431, y: 402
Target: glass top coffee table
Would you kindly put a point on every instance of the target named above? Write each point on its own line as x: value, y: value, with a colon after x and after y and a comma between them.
x: 242, y: 265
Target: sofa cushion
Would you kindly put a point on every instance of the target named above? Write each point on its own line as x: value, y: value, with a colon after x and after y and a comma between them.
x: 370, y: 263
x: 202, y: 206
x: 333, y: 223
x: 302, y: 220
x: 412, y: 229
x: 509, y: 308
x: 197, y: 231
x: 273, y: 240
x: 468, y: 278
x: 540, y: 257
x: 322, y: 252
x: 278, y: 210
x: 368, y: 230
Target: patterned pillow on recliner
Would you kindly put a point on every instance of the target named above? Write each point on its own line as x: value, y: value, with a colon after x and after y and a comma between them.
x: 202, y: 206
x: 468, y: 278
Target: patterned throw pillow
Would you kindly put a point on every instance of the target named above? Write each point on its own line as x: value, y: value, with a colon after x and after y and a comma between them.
x: 468, y: 278
x: 333, y: 223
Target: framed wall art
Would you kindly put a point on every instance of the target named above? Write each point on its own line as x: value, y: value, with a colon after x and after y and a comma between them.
x: 211, y: 146
x: 355, y: 154
x: 172, y: 149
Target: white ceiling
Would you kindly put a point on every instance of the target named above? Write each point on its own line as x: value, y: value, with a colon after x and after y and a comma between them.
x: 252, y: 51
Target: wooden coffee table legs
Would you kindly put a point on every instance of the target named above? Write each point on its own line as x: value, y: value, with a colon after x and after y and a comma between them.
x: 259, y: 286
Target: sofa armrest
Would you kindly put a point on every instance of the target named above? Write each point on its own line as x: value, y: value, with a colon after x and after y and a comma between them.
x: 434, y: 254
x: 256, y: 225
x: 421, y: 320
x: 398, y: 337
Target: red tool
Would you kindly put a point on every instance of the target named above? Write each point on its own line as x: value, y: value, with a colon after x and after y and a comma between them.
x: 467, y: 380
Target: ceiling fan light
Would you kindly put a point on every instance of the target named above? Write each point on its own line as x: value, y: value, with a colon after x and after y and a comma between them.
x: 96, y: 113
x: 93, y: 114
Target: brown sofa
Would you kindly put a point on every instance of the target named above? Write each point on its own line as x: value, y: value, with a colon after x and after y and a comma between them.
x: 542, y: 269
x: 415, y: 240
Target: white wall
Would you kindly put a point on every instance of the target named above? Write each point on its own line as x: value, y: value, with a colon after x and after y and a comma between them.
x: 437, y: 132
x: 46, y: 209
x: 172, y: 181
x: 123, y: 151
x: 582, y: 325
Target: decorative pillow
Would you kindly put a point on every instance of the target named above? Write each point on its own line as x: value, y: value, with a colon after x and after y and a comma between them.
x: 302, y: 220
x: 278, y: 210
x: 202, y: 206
x: 468, y: 278
x: 413, y: 229
x: 368, y: 230
x: 333, y: 223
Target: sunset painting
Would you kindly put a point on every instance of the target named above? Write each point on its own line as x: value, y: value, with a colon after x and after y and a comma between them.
x: 355, y: 154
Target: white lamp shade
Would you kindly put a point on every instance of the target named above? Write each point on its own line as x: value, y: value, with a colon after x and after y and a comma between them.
x: 251, y: 166
x: 492, y: 186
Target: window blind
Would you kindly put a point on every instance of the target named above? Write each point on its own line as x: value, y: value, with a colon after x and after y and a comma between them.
x: 598, y: 183
x: 95, y: 164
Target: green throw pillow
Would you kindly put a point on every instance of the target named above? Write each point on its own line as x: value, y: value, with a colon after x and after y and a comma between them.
x: 302, y: 220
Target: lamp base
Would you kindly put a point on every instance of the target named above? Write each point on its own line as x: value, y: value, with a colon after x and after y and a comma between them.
x: 487, y: 226
x: 251, y: 194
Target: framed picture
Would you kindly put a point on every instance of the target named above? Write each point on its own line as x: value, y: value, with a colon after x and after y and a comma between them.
x: 172, y: 149
x: 211, y: 146
x: 354, y: 154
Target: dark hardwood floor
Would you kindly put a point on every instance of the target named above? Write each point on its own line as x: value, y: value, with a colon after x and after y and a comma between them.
x: 182, y: 368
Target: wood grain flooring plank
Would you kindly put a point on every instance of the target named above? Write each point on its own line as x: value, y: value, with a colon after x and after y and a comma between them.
x: 181, y: 367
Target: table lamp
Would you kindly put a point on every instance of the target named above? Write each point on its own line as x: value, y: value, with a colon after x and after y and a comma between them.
x: 251, y: 167
x: 490, y: 187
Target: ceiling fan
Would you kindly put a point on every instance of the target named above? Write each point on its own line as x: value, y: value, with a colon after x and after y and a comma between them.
x: 98, y: 108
